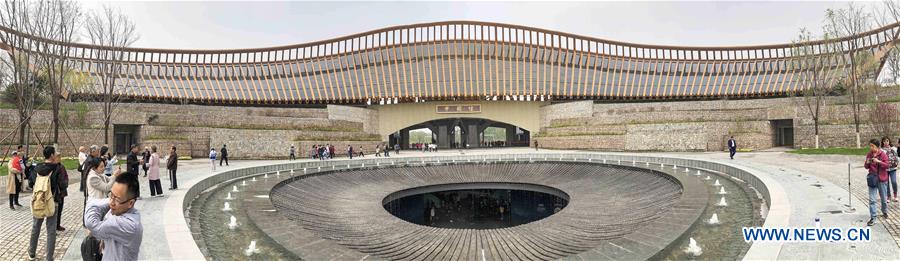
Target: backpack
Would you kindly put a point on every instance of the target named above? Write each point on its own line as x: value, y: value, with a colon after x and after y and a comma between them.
x: 892, y: 157
x: 42, y: 203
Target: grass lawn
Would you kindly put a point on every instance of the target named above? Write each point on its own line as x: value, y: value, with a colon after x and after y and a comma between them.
x: 69, y: 163
x: 832, y: 151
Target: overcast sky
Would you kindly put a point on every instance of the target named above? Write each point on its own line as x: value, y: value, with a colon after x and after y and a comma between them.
x: 250, y: 24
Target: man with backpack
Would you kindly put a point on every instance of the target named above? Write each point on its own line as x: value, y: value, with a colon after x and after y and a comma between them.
x: 47, y: 193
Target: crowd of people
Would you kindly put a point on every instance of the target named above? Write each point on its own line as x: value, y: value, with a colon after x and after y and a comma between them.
x: 113, y: 225
x: 881, y: 179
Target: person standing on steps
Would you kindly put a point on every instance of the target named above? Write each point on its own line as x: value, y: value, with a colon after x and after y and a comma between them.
x: 732, y: 147
x: 224, y: 157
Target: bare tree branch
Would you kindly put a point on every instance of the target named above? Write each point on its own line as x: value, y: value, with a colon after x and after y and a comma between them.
x: 114, y: 76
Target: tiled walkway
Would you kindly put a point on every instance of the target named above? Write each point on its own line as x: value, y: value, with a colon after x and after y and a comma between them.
x: 815, y: 185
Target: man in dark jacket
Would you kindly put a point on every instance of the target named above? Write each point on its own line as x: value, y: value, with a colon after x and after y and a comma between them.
x: 223, y: 156
x: 49, y: 167
x: 63, y: 192
x: 172, y: 166
x: 145, y: 160
x: 732, y: 147
x: 133, y: 164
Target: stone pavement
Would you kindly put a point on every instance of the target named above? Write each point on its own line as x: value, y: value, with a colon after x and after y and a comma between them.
x: 816, y: 187
x: 16, y: 225
x: 155, y: 244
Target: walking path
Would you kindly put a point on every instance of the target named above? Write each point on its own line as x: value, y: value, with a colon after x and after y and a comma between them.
x: 816, y: 187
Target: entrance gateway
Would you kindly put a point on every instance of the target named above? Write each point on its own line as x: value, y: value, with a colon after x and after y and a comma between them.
x: 462, y: 124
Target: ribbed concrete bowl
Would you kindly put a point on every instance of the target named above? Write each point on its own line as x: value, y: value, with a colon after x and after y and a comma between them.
x: 607, y: 204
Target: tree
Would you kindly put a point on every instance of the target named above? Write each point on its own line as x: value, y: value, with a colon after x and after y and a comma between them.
x: 851, y: 22
x: 115, y: 32
x: 56, y: 22
x: 21, y: 79
x: 817, y: 65
x: 886, y: 14
x: 883, y: 118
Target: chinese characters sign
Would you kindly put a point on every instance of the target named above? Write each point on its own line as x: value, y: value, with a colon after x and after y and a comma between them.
x: 459, y: 108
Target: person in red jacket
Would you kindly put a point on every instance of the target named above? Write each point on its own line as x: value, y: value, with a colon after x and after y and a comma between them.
x: 877, y: 164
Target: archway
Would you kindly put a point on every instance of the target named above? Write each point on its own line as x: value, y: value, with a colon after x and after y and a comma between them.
x: 461, y: 133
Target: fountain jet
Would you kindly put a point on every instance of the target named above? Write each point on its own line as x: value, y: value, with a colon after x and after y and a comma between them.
x: 251, y: 249
x: 714, y: 220
x: 722, y: 203
x: 693, y: 249
x: 233, y: 224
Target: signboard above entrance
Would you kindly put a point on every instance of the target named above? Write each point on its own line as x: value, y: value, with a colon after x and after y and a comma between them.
x: 459, y: 108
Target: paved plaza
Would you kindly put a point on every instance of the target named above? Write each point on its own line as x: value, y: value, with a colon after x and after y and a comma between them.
x: 815, y: 186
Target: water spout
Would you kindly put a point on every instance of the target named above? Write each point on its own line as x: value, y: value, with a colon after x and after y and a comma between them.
x: 254, y: 179
x: 707, y: 177
x: 265, y: 176
x: 693, y: 249
x: 717, y: 183
x: 251, y: 249
x: 229, y: 196
x: 227, y: 207
x: 714, y: 220
x: 234, y: 189
x: 698, y: 173
x: 722, y: 203
x: 244, y: 183
x: 722, y: 191
x: 233, y: 224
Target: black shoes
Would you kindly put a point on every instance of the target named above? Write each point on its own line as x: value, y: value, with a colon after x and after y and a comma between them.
x: 871, y: 222
x: 885, y: 216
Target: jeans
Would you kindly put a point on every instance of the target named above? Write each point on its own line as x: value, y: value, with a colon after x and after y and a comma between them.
x: 36, y: 233
x: 155, y: 187
x: 173, y: 179
x: 881, y: 190
x: 893, y: 186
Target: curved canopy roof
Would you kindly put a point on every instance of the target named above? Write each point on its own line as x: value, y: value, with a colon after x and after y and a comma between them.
x: 456, y: 60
